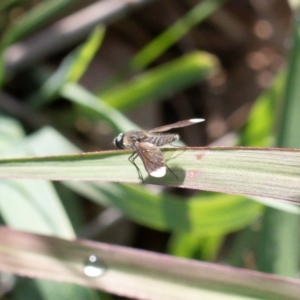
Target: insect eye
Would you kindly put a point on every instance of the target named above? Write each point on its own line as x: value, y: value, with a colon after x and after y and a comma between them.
x: 118, y: 141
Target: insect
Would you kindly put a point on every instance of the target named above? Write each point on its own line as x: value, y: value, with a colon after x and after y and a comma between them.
x: 145, y: 144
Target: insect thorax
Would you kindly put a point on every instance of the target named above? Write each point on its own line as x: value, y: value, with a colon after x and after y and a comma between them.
x: 133, y: 136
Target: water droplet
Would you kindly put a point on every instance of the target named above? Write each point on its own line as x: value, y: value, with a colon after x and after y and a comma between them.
x: 94, y: 267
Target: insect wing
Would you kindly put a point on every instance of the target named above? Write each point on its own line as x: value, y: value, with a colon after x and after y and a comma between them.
x: 152, y: 159
x: 176, y: 125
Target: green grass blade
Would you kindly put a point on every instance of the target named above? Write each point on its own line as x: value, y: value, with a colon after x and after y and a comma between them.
x: 21, y: 204
x: 174, y: 33
x: 23, y: 208
x: 289, y: 135
x: 191, y: 245
x: 33, y: 19
x: 163, y: 81
x: 269, y: 173
x: 279, y: 234
x: 203, y: 215
x: 280, y: 229
x: 256, y: 132
x: 96, y: 107
x: 86, y: 54
x: 70, y: 70
x: 11, y: 132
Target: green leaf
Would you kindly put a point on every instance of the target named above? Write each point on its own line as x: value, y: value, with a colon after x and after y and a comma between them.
x: 280, y: 229
x: 70, y: 70
x: 11, y: 132
x: 269, y: 173
x: 86, y: 54
x: 256, y: 132
x: 33, y: 19
x: 49, y: 290
x: 160, y: 82
x: 174, y: 33
x: 21, y: 204
x: 96, y: 107
x: 33, y: 206
x: 289, y: 135
x: 204, y: 215
x: 191, y: 245
x: 23, y: 207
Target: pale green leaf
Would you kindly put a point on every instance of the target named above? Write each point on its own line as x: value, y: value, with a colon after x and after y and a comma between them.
x: 269, y: 173
x: 205, y: 214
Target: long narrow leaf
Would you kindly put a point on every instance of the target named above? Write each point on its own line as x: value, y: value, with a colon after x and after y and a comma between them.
x: 205, y: 214
x: 163, y: 81
x: 174, y: 33
x: 34, y: 19
x: 269, y: 173
x: 280, y: 229
x: 202, y: 215
x: 134, y: 273
x: 70, y: 70
x: 97, y: 107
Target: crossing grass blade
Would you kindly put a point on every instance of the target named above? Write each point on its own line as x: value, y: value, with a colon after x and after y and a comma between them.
x: 155, y: 276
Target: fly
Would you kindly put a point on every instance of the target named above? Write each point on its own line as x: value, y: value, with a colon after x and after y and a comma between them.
x: 145, y: 144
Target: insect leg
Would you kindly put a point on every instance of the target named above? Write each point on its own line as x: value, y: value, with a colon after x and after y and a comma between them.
x: 132, y: 159
x: 171, y: 171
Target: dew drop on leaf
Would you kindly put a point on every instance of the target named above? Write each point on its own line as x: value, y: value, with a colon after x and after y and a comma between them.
x: 94, y: 267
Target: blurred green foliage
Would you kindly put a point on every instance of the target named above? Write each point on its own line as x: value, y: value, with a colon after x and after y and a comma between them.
x: 198, y: 240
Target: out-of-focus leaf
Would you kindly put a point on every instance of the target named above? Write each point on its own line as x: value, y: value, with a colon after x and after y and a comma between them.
x: 11, y: 131
x: 34, y: 205
x: 86, y: 54
x: 280, y: 229
x: 174, y: 33
x: 33, y: 19
x: 31, y: 205
x: 6, y: 3
x: 96, y: 107
x: 201, y: 215
x: 192, y: 245
x: 49, y: 290
x: 294, y: 4
x: 163, y: 81
x: 259, y: 131
x: 154, y: 276
x: 70, y: 70
x: 2, y: 75
x: 289, y: 135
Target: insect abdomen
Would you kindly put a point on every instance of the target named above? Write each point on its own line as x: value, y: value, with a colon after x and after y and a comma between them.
x: 161, y: 140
